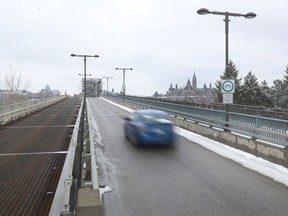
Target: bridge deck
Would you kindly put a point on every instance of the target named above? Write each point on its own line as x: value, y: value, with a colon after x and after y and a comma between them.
x: 32, y: 153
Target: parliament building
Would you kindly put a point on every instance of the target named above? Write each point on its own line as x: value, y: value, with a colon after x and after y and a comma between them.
x: 190, y: 92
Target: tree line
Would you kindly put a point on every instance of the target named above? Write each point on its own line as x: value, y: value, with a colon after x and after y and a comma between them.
x: 253, y: 93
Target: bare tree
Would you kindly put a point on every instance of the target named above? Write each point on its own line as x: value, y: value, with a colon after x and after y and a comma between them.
x: 15, y: 83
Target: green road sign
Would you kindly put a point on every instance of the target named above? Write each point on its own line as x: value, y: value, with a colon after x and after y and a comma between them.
x: 228, y: 86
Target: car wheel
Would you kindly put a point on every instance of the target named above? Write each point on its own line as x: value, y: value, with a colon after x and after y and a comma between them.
x: 135, y: 140
x: 126, y: 137
x: 125, y: 134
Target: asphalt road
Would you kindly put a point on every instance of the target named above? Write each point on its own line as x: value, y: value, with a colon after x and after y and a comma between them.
x: 185, y: 179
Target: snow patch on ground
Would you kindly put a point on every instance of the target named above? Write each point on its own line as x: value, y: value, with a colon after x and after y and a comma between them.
x: 104, y: 190
x: 103, y: 165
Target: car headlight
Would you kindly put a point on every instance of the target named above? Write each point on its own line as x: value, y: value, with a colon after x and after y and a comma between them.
x: 141, y: 128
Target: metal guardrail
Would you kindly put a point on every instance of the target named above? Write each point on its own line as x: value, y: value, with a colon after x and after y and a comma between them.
x: 65, y: 195
x: 274, y: 131
x: 14, y: 111
x: 79, y: 170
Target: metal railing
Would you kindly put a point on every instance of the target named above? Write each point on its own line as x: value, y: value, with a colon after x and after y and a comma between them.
x: 79, y: 170
x: 271, y: 130
x: 65, y: 199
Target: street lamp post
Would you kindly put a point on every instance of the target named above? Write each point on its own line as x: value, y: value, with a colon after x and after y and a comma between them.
x: 82, y: 125
x: 85, y: 59
x: 250, y: 15
x: 123, y: 85
x: 107, y: 82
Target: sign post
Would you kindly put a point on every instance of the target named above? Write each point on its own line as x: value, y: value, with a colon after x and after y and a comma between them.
x: 227, y: 90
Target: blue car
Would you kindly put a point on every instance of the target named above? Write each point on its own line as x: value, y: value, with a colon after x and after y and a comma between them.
x: 146, y: 127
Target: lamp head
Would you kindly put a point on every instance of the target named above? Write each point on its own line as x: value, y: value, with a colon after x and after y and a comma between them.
x: 203, y: 11
x: 250, y: 15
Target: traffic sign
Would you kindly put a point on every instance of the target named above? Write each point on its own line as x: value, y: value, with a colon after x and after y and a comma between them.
x: 228, y: 86
x: 228, y: 98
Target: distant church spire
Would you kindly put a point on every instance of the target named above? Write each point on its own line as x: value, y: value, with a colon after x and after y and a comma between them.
x: 194, y: 81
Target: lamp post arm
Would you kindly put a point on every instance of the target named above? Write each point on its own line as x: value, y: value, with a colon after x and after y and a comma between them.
x: 226, y: 13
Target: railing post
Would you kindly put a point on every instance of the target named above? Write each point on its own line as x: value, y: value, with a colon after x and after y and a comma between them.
x: 257, y: 125
x: 226, y: 118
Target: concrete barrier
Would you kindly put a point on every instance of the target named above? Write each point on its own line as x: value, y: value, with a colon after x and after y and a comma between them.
x: 88, y: 202
x: 268, y: 151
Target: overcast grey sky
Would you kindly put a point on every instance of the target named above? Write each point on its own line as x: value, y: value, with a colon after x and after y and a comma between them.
x: 164, y: 41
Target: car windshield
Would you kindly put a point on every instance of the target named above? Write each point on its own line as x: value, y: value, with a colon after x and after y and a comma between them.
x: 152, y: 117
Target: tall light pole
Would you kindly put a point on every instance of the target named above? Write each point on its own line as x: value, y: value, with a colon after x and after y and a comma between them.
x: 83, y: 110
x: 85, y: 59
x: 123, y: 85
x: 107, y: 82
x: 250, y: 15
